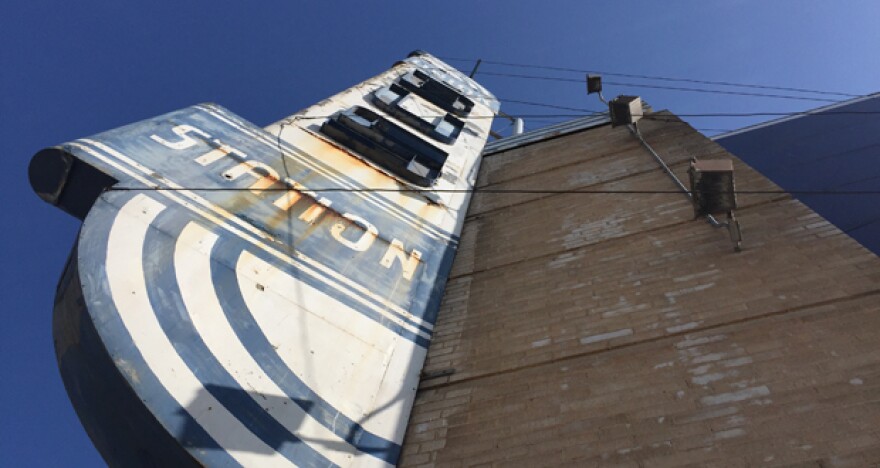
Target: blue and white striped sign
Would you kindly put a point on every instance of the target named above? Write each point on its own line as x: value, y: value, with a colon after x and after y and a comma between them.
x: 248, y: 296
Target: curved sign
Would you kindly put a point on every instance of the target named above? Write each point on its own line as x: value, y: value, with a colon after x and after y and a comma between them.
x: 241, y: 296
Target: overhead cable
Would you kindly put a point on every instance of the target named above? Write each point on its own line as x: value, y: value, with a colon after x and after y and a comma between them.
x: 494, y: 191
x: 658, y: 117
x: 672, y: 88
x: 659, y: 78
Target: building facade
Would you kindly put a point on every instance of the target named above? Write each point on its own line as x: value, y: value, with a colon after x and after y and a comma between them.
x: 589, y: 320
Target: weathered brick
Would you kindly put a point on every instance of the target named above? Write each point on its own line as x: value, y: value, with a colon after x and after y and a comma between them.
x: 614, y: 330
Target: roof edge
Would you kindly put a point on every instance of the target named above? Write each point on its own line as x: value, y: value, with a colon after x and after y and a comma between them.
x: 808, y: 113
x: 545, y: 133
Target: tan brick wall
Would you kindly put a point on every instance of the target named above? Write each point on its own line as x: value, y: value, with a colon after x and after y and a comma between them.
x: 615, y: 330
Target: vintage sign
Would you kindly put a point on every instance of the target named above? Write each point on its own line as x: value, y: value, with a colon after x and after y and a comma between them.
x: 263, y: 297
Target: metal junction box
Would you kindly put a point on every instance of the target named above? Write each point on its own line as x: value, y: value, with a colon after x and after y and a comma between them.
x: 625, y: 110
x: 712, y: 186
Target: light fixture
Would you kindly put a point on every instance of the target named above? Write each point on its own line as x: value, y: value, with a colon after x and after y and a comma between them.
x: 625, y: 110
x: 713, y: 192
x: 712, y: 186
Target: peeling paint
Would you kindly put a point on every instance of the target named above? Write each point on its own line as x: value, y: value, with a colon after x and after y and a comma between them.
x: 689, y: 342
x: 704, y: 379
x: 540, y: 343
x: 606, y: 336
x: 679, y: 328
x: 729, y: 434
x: 737, y: 362
x: 745, y: 394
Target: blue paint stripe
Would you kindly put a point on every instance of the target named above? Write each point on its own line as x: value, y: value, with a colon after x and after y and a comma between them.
x: 155, y: 400
x: 165, y: 297
x: 224, y: 278
x: 233, y: 246
x: 438, y: 287
x: 388, y: 323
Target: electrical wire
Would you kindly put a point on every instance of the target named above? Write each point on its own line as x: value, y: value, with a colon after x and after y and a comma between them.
x: 670, y: 118
x: 817, y: 113
x: 672, y: 88
x: 861, y: 225
x: 659, y: 78
x: 496, y: 191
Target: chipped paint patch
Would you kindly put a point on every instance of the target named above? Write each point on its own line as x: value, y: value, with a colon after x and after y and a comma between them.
x: 622, y: 307
x: 709, y: 358
x: 540, y: 343
x: 129, y: 370
x: 745, y: 394
x: 715, y: 413
x: 705, y: 379
x: 625, y: 451
x: 729, y: 434
x: 562, y: 259
x: 681, y: 279
x: 689, y: 342
x: 856, y: 381
x: 581, y: 234
x: 762, y: 402
x: 680, y: 328
x: 737, y: 362
x: 700, y: 369
x: 606, y: 336
x: 671, y: 296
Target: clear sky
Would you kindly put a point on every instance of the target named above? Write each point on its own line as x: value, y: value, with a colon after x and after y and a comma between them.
x: 69, y: 69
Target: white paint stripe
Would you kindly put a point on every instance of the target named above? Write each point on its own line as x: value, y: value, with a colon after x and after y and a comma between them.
x: 339, y: 353
x: 381, y: 200
x: 225, y: 219
x: 192, y: 262
x: 129, y: 292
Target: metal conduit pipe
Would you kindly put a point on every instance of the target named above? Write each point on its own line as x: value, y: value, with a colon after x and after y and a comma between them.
x: 634, y: 129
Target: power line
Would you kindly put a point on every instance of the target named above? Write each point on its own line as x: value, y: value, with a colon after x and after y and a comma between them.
x: 672, y: 88
x: 551, y: 106
x: 817, y: 113
x: 861, y: 225
x: 662, y: 118
x: 659, y: 78
x: 495, y: 191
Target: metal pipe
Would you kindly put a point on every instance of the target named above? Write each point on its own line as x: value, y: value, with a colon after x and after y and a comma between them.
x: 518, y: 123
x: 634, y: 129
x: 518, y: 126
x: 476, y: 67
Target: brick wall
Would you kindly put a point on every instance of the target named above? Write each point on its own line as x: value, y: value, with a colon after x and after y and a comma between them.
x: 613, y: 329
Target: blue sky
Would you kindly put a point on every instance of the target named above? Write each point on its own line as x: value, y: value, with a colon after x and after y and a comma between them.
x: 72, y: 69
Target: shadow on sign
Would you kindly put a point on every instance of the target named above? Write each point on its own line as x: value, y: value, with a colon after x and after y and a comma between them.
x: 260, y: 413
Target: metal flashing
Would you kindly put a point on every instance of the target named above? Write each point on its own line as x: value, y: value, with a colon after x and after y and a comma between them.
x: 546, y: 133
